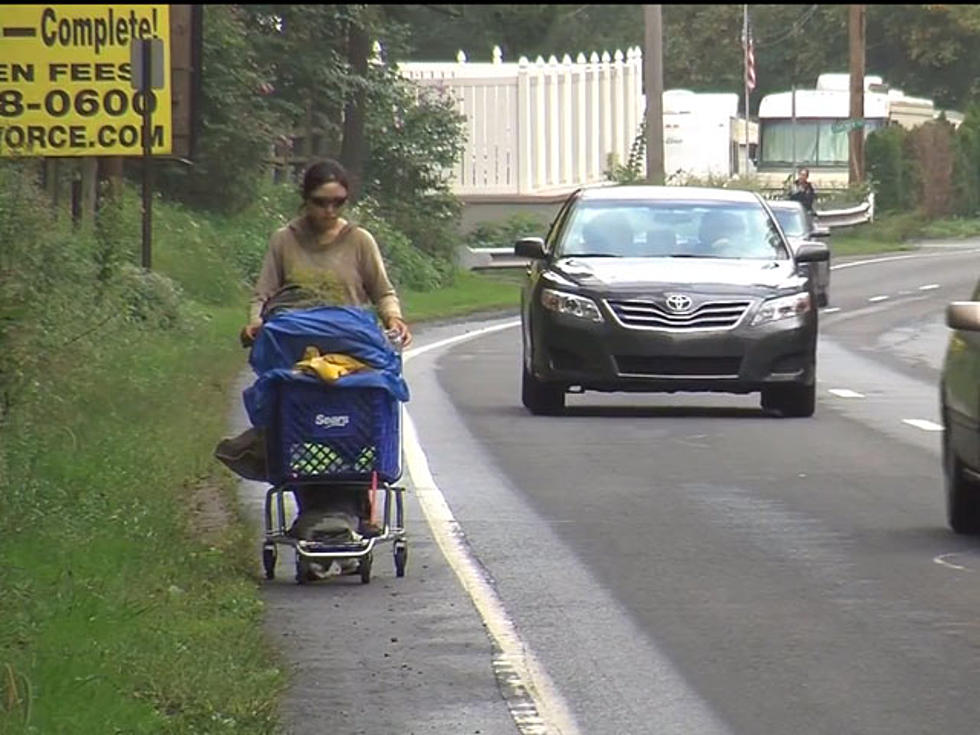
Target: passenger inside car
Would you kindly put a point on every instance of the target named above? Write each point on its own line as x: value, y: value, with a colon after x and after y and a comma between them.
x: 608, y: 233
x: 721, y: 234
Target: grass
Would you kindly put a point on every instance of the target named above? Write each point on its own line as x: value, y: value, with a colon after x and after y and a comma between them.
x: 471, y: 293
x: 114, y: 616
x: 897, y: 232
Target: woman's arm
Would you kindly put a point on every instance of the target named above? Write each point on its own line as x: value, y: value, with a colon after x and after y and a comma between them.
x: 269, y: 282
x: 382, y: 292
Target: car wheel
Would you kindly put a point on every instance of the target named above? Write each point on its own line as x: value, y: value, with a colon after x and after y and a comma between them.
x: 540, y: 398
x: 822, y: 299
x: 793, y: 400
x: 962, y: 495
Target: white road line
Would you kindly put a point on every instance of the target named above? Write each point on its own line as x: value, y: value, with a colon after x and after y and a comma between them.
x: 941, y: 560
x: 413, y: 351
x: 845, y: 393
x: 877, y: 298
x: 855, y: 263
x: 929, y: 287
x: 532, y: 698
x: 923, y: 424
x: 830, y: 310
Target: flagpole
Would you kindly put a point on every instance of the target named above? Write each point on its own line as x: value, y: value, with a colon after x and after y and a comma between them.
x: 745, y: 81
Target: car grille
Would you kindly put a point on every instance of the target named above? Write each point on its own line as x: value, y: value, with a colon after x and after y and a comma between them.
x: 678, y: 366
x: 709, y: 315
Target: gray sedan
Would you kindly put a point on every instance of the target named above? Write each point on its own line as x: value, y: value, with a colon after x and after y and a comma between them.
x: 800, y: 226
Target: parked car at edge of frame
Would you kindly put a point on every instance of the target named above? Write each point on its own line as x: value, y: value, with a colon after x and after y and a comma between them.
x: 960, y: 411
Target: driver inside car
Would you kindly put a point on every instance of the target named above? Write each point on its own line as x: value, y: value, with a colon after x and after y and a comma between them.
x: 722, y: 234
x: 607, y: 234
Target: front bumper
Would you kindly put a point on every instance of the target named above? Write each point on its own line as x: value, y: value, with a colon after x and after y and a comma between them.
x: 611, y: 357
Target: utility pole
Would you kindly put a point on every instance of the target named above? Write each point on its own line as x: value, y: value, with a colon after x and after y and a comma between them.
x: 745, y: 83
x: 653, y: 77
x: 856, y: 27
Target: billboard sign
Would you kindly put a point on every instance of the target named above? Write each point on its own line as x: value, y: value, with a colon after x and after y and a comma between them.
x: 65, y: 80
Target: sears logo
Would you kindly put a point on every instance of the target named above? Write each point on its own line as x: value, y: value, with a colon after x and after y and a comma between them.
x: 331, y: 422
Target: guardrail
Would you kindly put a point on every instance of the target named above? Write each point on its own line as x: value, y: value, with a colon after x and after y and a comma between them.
x: 840, y: 217
x: 857, y: 215
x: 488, y: 258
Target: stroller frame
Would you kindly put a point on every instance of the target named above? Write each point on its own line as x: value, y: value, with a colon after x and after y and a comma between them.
x: 276, y: 533
x: 392, y: 530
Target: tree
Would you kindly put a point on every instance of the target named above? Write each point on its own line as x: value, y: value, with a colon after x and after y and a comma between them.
x: 239, y: 123
x: 924, y: 49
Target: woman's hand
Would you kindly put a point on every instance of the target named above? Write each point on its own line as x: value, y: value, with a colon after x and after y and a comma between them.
x: 400, y: 328
x: 250, y: 331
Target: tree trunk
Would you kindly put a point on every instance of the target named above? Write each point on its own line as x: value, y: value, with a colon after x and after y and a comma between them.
x: 112, y: 173
x: 353, y: 148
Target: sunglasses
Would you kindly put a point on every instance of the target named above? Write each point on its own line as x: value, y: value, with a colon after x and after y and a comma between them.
x: 325, y: 202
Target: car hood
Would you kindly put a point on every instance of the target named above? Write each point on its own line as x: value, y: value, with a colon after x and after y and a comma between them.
x: 627, y: 274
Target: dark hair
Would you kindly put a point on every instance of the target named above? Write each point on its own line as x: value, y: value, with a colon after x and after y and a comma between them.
x: 322, y: 172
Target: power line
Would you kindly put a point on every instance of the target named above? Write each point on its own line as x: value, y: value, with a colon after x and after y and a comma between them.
x: 794, y: 29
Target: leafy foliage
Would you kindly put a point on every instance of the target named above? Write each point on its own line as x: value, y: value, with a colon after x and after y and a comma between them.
x: 284, y: 77
x: 239, y: 125
x: 888, y: 168
x: 634, y: 169
x: 414, y: 139
x: 407, y: 265
x: 925, y: 49
x: 504, y: 234
x: 933, y: 170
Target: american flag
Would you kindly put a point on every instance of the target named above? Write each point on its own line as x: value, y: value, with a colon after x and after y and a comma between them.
x: 749, y: 62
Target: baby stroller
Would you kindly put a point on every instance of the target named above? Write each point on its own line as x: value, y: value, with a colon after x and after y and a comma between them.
x: 329, y: 436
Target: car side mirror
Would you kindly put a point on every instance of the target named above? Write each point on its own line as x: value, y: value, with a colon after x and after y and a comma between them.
x: 812, y: 252
x: 964, y: 315
x: 530, y: 247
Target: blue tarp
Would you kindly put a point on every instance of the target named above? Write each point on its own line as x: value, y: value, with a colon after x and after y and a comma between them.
x: 346, y: 330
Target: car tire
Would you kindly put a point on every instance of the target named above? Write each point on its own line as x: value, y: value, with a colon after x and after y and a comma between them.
x: 962, y: 494
x: 792, y: 400
x: 540, y: 398
x: 823, y: 300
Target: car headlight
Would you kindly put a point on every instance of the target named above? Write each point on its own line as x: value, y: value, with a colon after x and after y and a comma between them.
x: 568, y: 303
x: 783, y: 307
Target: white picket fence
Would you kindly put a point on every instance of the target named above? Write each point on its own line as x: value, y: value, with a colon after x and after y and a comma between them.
x: 539, y: 127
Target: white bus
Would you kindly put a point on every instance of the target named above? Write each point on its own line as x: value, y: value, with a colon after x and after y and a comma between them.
x: 809, y: 128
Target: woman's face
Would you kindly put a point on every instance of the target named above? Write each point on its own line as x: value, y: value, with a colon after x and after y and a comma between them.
x: 324, y: 203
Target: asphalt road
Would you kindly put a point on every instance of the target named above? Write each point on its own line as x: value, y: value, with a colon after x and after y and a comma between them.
x: 674, y: 563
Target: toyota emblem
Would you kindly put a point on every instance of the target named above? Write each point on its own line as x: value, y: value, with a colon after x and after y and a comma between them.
x: 679, y: 302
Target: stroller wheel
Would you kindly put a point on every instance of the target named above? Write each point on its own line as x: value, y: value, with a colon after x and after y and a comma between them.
x: 269, y: 560
x: 401, y: 559
x: 302, y: 570
x: 365, y: 568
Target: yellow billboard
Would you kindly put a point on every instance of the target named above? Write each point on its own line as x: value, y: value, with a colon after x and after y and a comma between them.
x: 65, y: 86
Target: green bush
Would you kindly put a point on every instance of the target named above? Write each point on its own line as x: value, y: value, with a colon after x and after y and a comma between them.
x: 888, y: 169
x: 966, y: 165
x: 238, y: 126
x: 504, y: 234
x: 415, y: 139
x: 407, y: 266
x: 50, y: 286
x: 149, y: 298
x: 633, y: 170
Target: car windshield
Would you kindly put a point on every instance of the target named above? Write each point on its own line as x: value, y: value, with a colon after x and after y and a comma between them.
x: 792, y: 221
x: 665, y: 229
